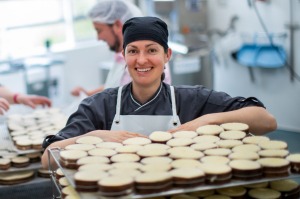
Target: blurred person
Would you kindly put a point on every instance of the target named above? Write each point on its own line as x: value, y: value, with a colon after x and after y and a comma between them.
x: 108, y: 17
x: 8, y: 97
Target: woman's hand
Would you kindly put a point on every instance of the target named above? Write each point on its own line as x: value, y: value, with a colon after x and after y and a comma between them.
x: 4, y: 105
x: 193, y: 124
x: 33, y: 100
x: 114, y: 136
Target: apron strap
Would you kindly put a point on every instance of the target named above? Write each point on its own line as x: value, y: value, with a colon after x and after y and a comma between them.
x: 174, y: 110
x: 118, y: 107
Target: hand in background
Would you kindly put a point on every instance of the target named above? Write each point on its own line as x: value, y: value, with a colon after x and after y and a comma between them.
x: 77, y: 90
x: 4, y: 105
x: 33, y: 100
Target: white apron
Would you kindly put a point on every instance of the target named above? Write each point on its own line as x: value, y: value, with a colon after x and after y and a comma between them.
x: 145, y: 124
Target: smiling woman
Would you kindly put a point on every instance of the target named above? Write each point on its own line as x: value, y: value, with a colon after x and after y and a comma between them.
x: 145, y: 61
x: 147, y: 104
x: 146, y: 54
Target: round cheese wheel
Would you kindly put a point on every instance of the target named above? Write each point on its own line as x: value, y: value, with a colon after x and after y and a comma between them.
x: 160, y: 136
x: 263, y: 193
x: 235, y: 126
x: 209, y: 130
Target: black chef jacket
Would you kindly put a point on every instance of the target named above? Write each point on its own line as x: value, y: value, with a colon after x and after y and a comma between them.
x: 97, y: 112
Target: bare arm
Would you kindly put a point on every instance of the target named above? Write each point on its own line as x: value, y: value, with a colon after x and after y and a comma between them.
x: 7, y: 94
x: 76, y: 91
x: 28, y: 100
x: 105, y: 135
x: 258, y: 119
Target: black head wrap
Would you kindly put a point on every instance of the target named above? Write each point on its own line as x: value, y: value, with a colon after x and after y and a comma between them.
x: 145, y: 28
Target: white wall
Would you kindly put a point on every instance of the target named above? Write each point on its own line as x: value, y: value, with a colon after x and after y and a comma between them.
x: 272, y: 86
x: 82, y: 67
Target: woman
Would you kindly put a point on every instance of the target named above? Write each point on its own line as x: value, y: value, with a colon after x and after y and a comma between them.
x: 147, y: 104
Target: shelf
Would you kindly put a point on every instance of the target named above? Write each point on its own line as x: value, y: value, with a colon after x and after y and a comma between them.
x: 35, y: 188
x: 31, y: 166
x: 35, y: 180
x: 54, y: 153
x: 55, y: 185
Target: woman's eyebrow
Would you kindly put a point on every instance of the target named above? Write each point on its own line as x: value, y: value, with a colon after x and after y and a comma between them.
x: 147, y: 45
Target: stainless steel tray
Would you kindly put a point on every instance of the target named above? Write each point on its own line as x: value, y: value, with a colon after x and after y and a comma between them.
x: 10, y: 144
x: 30, y: 167
x: 69, y: 174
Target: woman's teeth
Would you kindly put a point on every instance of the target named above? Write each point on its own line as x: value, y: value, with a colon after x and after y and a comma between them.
x: 143, y: 69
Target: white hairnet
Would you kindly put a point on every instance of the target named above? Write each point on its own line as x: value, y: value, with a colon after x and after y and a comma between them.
x: 111, y: 10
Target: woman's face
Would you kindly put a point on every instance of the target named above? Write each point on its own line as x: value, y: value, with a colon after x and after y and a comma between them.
x: 146, y: 60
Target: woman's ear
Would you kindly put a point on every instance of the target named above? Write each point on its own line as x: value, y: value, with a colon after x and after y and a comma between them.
x: 169, y: 54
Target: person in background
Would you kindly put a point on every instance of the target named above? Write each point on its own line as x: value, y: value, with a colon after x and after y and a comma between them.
x: 7, y: 97
x: 108, y: 18
x: 148, y: 104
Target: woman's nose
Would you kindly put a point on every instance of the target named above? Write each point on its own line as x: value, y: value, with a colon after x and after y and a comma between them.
x: 141, y: 59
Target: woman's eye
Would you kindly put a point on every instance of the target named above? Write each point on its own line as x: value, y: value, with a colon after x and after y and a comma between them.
x: 152, y: 50
x: 131, y: 51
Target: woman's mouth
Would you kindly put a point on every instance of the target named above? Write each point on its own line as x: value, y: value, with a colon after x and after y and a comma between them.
x: 143, y: 69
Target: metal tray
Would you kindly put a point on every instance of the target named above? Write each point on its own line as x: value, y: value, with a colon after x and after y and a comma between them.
x: 30, y: 167
x: 10, y: 144
x: 69, y: 174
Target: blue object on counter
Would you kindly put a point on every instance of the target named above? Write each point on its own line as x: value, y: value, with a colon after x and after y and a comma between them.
x: 265, y: 56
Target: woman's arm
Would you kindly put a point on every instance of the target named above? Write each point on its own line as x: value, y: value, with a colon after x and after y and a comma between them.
x: 105, y: 135
x: 258, y: 119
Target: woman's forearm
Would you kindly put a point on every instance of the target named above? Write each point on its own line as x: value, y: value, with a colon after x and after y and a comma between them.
x: 59, y: 144
x: 258, y: 119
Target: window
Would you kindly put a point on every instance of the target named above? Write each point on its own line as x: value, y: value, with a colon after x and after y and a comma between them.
x: 26, y: 25
x: 83, y: 27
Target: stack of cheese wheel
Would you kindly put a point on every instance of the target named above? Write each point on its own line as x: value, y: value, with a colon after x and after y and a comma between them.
x: 5, y: 163
x: 28, y: 131
x: 212, y: 155
x: 44, y: 173
x: 16, y: 177
x: 295, y: 162
x: 288, y: 188
x: 12, y: 160
x: 283, y: 189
